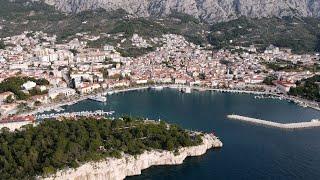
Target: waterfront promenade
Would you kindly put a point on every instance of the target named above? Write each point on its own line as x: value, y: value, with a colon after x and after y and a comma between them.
x: 297, y: 100
x: 115, y: 91
x: 230, y: 91
x: 74, y: 114
x: 52, y: 106
x: 300, y: 125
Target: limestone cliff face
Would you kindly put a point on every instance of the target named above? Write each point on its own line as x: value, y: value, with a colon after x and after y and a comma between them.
x: 210, y: 10
x: 118, y: 169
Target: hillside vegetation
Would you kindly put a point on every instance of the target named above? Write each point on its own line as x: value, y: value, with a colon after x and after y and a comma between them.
x: 54, y: 145
x: 301, y: 35
x: 14, y: 85
x: 23, y: 15
x: 308, y: 89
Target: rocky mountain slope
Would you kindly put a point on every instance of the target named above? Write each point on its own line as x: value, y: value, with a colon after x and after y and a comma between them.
x: 209, y: 10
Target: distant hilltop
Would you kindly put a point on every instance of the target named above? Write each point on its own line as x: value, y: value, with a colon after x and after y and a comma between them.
x: 207, y: 10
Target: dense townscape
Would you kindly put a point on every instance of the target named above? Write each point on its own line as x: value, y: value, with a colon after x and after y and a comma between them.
x: 36, y: 70
x: 66, y: 69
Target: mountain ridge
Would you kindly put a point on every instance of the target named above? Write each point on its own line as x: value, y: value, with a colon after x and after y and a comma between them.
x: 207, y: 10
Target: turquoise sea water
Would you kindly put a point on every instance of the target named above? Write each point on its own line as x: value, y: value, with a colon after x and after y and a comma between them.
x: 249, y: 151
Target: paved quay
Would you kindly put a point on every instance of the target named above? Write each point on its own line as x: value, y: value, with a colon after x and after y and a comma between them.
x: 300, y: 125
x: 75, y: 114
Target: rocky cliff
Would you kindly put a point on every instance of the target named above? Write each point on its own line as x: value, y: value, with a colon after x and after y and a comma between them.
x: 117, y: 169
x: 209, y: 10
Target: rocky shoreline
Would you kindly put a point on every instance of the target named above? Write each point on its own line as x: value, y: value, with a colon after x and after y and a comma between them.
x: 128, y: 165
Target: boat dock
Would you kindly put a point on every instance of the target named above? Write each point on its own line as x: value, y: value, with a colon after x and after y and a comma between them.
x: 268, y: 97
x: 239, y: 91
x: 183, y: 87
x: 312, y: 124
x: 158, y: 88
x: 58, y: 109
x: 115, y: 91
x: 98, y: 98
x: 74, y: 114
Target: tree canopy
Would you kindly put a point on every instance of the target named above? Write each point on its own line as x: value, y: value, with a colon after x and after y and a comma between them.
x: 13, y: 84
x: 53, y: 145
x: 2, y: 45
x: 308, y: 88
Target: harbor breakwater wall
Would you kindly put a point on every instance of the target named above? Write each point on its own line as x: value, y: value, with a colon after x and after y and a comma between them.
x: 128, y: 165
x: 300, y: 125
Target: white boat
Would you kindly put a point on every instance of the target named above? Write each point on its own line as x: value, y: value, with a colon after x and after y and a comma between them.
x: 98, y: 98
x: 157, y: 88
x: 110, y: 92
x: 186, y: 90
x: 58, y: 109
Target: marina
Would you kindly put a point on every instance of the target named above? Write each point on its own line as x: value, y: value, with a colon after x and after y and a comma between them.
x: 239, y: 91
x: 186, y: 89
x: 258, y: 94
x: 74, y: 114
x: 236, y: 91
x: 209, y: 113
x: 312, y: 124
x: 268, y: 97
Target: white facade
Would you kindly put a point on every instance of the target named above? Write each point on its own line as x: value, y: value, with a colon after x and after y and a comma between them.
x: 29, y: 85
x: 284, y: 86
x: 142, y: 81
x: 23, y: 66
x: 14, y: 125
x: 180, y: 81
x: 54, y: 92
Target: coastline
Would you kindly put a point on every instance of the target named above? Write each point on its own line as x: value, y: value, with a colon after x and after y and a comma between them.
x: 50, y: 107
x: 128, y: 165
x: 296, y: 100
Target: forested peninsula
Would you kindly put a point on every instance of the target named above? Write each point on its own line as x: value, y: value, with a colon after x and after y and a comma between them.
x: 52, y: 146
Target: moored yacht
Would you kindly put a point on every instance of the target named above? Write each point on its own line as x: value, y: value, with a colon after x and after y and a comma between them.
x: 98, y: 98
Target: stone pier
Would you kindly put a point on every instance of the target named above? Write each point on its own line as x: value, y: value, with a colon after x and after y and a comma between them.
x: 300, y: 125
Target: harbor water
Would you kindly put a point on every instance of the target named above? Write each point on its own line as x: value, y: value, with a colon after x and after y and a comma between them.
x: 249, y: 152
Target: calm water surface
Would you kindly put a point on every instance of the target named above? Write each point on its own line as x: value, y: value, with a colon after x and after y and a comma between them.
x: 249, y: 152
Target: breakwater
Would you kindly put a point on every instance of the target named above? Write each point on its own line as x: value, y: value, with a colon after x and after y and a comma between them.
x: 300, y: 125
